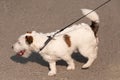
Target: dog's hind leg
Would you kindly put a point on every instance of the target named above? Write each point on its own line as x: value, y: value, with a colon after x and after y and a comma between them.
x: 91, y: 54
x: 89, y: 62
x: 70, y: 62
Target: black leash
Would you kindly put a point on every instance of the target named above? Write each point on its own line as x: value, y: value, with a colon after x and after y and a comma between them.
x: 51, y: 37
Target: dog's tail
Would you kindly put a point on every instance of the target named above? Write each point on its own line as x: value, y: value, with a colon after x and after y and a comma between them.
x: 93, y: 16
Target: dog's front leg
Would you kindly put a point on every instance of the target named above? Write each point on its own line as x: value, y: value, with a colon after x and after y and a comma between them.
x: 52, y: 71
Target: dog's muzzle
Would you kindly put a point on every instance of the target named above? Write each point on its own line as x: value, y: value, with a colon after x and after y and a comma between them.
x: 21, y: 53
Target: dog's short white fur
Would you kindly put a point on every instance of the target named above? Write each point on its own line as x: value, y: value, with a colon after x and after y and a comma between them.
x: 81, y: 38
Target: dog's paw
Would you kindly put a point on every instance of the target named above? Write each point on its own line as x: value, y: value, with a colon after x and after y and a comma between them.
x: 85, y: 67
x: 71, y: 68
x: 51, y: 73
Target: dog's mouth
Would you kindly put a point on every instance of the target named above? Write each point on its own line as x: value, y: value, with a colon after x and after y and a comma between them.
x: 20, y: 53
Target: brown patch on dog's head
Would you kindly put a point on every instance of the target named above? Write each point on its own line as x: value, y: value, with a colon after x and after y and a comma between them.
x: 67, y: 40
x: 29, y: 32
x: 29, y: 39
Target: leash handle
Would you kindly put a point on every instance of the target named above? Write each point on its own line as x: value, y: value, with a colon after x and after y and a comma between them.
x: 51, y: 37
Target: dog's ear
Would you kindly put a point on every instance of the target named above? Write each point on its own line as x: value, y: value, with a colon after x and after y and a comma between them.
x: 29, y: 39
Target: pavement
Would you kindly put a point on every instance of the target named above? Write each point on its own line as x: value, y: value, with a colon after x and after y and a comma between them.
x: 19, y: 16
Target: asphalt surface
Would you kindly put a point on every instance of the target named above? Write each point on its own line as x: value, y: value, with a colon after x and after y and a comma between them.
x: 19, y: 16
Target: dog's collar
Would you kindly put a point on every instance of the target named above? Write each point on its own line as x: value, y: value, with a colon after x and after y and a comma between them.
x: 46, y: 42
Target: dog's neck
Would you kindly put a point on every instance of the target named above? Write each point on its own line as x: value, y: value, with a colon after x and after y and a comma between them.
x: 38, y: 42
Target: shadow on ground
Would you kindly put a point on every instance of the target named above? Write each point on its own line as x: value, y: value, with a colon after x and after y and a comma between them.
x: 35, y: 57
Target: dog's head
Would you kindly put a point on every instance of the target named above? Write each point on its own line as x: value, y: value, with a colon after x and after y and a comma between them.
x: 26, y: 43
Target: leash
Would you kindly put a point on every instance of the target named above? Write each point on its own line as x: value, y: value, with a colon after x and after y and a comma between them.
x: 51, y: 37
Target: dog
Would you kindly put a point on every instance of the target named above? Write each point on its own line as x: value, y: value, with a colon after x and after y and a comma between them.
x: 81, y: 37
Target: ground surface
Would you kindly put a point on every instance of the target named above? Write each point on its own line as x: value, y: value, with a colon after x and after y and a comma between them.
x: 20, y: 16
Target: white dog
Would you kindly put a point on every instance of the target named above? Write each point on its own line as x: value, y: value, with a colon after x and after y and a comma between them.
x: 81, y: 37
